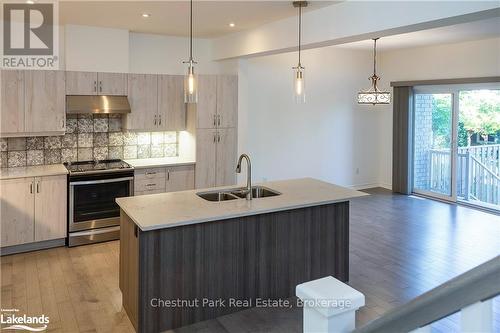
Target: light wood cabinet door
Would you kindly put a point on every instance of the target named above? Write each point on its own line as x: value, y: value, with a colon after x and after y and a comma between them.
x: 112, y: 84
x: 81, y: 83
x: 44, y: 101
x: 50, y: 207
x: 180, y: 178
x: 205, y: 158
x: 206, y: 108
x: 227, y: 146
x: 171, y: 106
x: 143, y: 99
x: 17, y: 211
x: 227, y: 101
x: 11, y: 101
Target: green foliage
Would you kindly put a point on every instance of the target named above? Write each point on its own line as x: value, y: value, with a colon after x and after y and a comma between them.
x: 479, y: 113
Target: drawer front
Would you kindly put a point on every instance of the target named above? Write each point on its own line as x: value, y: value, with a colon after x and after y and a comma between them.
x: 153, y: 173
x: 136, y: 193
x: 149, y: 184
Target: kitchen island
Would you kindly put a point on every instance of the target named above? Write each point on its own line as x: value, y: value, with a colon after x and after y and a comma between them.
x: 184, y: 259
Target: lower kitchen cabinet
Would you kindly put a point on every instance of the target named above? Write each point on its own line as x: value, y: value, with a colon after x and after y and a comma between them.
x: 50, y: 208
x: 216, y: 151
x: 163, y: 179
x: 17, y: 211
x: 33, y: 209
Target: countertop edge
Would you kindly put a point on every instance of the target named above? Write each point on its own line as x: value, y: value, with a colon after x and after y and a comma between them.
x: 160, y: 164
x: 242, y: 214
x: 34, y: 173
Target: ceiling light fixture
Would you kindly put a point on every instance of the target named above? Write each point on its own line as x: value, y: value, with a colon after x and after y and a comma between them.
x: 374, y: 95
x: 232, y: 25
x: 190, y: 80
x: 146, y: 15
x: 299, y: 70
x: 30, y: 2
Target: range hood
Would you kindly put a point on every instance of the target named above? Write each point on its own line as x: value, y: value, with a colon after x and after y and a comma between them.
x: 97, y: 104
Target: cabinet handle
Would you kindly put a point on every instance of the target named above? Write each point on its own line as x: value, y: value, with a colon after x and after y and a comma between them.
x: 159, y: 123
x: 155, y: 120
x: 151, y: 173
x: 218, y: 137
x: 214, y: 138
x: 151, y: 184
x: 37, y: 187
x: 218, y: 119
x: 215, y: 124
x: 31, y: 188
x: 62, y: 123
x: 95, y: 86
x: 100, y: 86
x: 168, y: 174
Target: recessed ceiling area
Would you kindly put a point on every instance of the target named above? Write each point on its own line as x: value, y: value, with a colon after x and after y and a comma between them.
x: 483, y: 29
x: 212, y: 18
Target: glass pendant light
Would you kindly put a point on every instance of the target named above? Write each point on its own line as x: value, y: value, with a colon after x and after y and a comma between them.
x: 299, y: 93
x: 190, y: 79
x: 374, y: 95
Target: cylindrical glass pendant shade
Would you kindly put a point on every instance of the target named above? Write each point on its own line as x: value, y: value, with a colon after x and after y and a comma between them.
x: 299, y: 84
x: 190, y: 86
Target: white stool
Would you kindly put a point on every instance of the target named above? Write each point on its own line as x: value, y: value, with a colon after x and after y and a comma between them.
x: 329, y: 305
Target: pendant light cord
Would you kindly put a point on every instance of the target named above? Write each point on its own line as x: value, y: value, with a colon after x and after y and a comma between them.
x: 375, y: 56
x: 300, y: 31
x: 191, y: 31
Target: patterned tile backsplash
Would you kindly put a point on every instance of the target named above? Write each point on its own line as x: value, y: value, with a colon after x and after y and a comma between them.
x: 87, y: 137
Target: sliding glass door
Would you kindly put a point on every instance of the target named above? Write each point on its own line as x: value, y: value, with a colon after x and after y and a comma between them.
x: 456, y: 143
x: 432, y: 147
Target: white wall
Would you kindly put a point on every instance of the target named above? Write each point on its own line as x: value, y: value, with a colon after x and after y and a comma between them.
x: 96, y: 49
x: 328, y: 138
x: 86, y: 48
x: 164, y: 54
x: 460, y: 60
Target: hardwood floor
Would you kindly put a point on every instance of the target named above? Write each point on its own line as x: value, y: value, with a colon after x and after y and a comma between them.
x: 400, y: 247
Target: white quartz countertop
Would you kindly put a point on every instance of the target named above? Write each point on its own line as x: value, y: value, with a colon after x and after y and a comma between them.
x: 159, y: 162
x: 165, y: 210
x: 33, y: 171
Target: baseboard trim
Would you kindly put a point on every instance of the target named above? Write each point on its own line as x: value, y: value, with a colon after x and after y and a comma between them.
x: 369, y: 185
x: 7, y: 250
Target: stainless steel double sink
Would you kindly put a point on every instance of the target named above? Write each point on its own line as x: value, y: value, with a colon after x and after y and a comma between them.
x: 237, y: 193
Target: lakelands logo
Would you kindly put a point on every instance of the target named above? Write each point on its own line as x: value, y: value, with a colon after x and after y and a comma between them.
x: 30, y: 35
x: 11, y: 320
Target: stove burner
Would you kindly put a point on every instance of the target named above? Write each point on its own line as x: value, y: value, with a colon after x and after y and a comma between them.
x: 93, y: 166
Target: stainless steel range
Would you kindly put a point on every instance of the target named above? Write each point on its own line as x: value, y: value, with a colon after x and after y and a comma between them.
x: 93, y: 215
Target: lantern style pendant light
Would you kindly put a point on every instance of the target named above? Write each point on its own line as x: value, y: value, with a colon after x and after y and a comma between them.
x: 374, y: 95
x: 299, y: 71
x: 190, y: 79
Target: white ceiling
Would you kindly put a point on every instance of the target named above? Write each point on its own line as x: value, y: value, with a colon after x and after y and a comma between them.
x: 211, y: 18
x: 483, y: 29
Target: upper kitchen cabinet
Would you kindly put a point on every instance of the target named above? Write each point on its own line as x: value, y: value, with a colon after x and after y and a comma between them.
x: 11, y: 101
x: 81, y: 83
x: 92, y: 83
x: 44, y: 102
x: 206, y: 108
x: 112, y: 84
x: 227, y: 101
x: 171, y: 106
x: 143, y: 99
x: 217, y: 101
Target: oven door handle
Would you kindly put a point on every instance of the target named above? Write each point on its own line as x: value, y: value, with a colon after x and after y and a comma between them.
x: 101, y: 181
